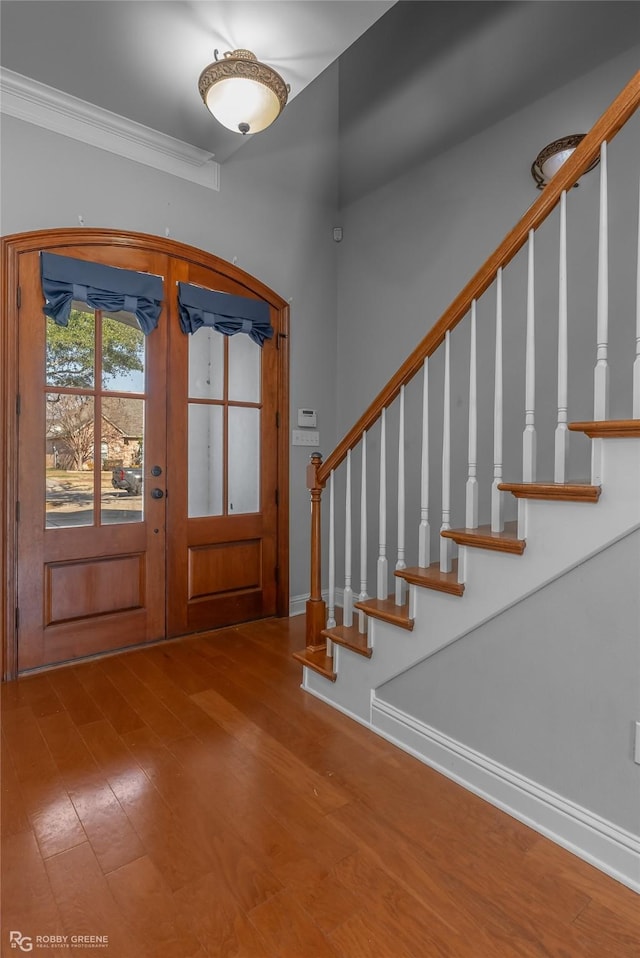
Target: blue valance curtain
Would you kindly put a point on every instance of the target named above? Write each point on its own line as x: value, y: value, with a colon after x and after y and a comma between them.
x: 227, y: 313
x: 65, y: 279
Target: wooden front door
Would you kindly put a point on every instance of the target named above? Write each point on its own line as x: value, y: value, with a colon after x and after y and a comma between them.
x: 222, y: 503
x: 147, y: 468
x: 91, y: 557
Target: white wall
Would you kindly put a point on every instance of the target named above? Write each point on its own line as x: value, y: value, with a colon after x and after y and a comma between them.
x: 274, y: 212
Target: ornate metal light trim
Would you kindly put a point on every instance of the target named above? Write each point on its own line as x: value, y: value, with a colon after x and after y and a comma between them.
x: 242, y: 93
x: 550, y: 159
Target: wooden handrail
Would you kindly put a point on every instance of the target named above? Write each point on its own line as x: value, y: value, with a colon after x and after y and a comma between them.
x: 611, y: 121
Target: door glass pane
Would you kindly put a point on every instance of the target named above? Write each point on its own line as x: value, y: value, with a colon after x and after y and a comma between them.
x: 70, y: 353
x: 121, y: 465
x: 69, y: 453
x: 205, y: 460
x: 122, y: 353
x: 244, y: 369
x: 244, y: 460
x: 206, y: 364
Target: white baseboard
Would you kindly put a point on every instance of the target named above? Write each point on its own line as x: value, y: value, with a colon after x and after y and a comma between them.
x: 298, y: 603
x: 592, y: 838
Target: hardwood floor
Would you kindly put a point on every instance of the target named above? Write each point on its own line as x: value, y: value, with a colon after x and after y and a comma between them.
x: 189, y: 800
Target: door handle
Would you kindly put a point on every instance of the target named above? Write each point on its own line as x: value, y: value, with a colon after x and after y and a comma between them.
x: 157, y: 493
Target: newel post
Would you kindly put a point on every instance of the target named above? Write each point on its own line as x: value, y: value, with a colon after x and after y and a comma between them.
x: 316, y: 609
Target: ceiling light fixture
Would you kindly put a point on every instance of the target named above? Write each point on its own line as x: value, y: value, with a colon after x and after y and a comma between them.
x: 243, y: 94
x: 550, y: 159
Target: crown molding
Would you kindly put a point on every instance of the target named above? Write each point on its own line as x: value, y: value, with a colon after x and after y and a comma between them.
x: 44, y: 106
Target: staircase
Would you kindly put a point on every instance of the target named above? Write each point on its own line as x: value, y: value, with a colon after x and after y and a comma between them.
x: 536, y: 534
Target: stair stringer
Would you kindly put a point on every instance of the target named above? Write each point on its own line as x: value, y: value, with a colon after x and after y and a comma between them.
x: 559, y: 537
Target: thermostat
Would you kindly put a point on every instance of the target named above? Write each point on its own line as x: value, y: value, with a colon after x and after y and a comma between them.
x: 307, y: 418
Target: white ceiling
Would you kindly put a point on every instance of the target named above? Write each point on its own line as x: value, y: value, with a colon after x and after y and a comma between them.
x: 141, y: 59
x: 415, y: 77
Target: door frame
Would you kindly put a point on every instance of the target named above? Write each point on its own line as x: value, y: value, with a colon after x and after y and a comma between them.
x: 56, y: 240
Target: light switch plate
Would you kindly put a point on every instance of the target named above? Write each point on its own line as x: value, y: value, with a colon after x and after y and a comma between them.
x: 306, y: 437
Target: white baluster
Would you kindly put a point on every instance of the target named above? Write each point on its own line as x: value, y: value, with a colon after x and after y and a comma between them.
x: 601, y: 375
x: 497, y: 504
x: 424, y: 532
x: 471, y: 520
x: 362, y: 619
x: 445, y: 544
x: 347, y: 604
x: 601, y: 371
x: 562, y: 432
x: 529, y: 436
x: 636, y: 365
x: 401, y: 564
x: 331, y: 605
x: 383, y: 565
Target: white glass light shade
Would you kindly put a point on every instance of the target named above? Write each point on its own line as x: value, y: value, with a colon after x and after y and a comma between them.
x: 244, y: 95
x: 237, y: 102
x: 553, y: 156
x: 553, y: 163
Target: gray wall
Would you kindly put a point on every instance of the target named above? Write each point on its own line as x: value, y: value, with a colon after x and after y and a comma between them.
x: 411, y: 245
x: 550, y: 687
x: 274, y: 212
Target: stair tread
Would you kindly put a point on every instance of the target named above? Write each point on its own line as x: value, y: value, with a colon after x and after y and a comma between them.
x: 431, y: 577
x: 350, y: 637
x: 608, y: 428
x: 484, y: 538
x: 388, y: 611
x: 318, y: 660
x: 561, y: 491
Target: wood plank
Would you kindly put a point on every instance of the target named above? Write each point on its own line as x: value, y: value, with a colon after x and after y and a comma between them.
x: 484, y: 538
x: 113, y: 705
x: 147, y: 904
x: 86, y: 904
x: 472, y: 908
x: 76, y: 700
x: 110, y: 833
x: 318, y: 661
x: 387, y: 611
x: 218, y: 921
x: 603, y: 926
x: 350, y: 637
x: 553, y: 491
x: 288, y: 929
x: 394, y: 923
x: 28, y: 903
x: 608, y: 429
x: 12, y: 814
x: 327, y: 901
x: 143, y: 700
x: 267, y: 750
x: 431, y: 577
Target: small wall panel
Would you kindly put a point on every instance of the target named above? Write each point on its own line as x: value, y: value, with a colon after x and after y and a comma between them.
x: 224, y: 567
x: 91, y: 587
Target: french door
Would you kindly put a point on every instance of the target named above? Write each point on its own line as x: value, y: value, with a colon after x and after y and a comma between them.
x: 222, y: 505
x: 147, y: 469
